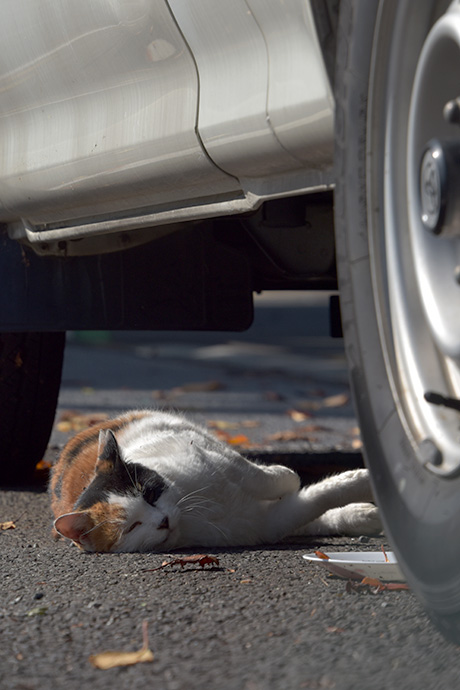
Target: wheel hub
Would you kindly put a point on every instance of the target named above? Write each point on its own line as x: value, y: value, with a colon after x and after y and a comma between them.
x: 439, y: 189
x: 432, y: 188
x: 433, y: 168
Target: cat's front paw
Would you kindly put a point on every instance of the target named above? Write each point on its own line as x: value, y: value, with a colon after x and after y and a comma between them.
x: 287, y: 480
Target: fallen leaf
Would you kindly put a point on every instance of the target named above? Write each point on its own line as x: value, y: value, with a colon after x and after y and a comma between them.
x: 372, y: 582
x: 336, y: 400
x: 298, y: 416
x: 64, y: 426
x: 302, y: 433
x: 312, y: 405
x: 43, y: 465
x: 195, y: 559
x: 70, y: 420
x: 322, y: 555
x: 199, y: 387
x: 106, y: 660
x: 291, y: 435
x: 9, y: 524
x: 239, y: 440
x: 222, y: 424
x: 245, y: 582
x: 387, y: 560
x: 38, y: 611
x: 374, y: 586
x: 250, y: 424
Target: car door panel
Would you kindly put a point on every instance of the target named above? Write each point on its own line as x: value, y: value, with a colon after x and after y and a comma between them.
x: 266, y: 106
x: 232, y: 60
x: 98, y: 106
x: 300, y: 103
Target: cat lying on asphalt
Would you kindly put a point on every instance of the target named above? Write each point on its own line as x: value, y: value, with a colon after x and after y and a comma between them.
x: 153, y: 481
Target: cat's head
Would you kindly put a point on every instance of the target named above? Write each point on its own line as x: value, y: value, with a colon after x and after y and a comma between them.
x: 126, y: 507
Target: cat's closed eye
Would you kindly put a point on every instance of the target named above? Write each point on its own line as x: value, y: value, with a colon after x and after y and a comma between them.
x: 133, y: 526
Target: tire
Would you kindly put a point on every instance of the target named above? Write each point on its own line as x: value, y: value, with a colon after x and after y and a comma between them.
x: 30, y: 376
x: 397, y: 281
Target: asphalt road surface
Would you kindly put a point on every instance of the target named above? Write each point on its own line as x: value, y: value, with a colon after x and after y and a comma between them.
x: 259, y: 619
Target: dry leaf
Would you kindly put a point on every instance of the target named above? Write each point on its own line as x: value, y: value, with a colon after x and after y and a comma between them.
x: 374, y: 586
x: 336, y: 400
x: 239, y: 440
x: 372, y: 582
x: 250, y: 424
x: 222, y: 425
x: 200, y: 387
x: 106, y: 660
x: 38, y: 611
x: 195, y: 559
x: 322, y: 555
x: 387, y: 560
x: 298, y: 416
x: 312, y: 405
x: 43, y: 465
x: 9, y: 524
x: 302, y: 433
x: 70, y: 420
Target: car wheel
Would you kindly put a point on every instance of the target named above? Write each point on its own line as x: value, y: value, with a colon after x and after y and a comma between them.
x: 30, y: 376
x: 398, y: 257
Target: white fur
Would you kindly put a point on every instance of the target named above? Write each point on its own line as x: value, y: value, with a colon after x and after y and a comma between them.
x: 215, y: 497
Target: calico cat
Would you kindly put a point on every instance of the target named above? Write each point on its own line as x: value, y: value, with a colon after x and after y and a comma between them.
x: 150, y: 480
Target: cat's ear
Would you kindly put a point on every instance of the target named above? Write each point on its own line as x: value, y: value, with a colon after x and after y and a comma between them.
x: 77, y: 527
x: 109, y: 454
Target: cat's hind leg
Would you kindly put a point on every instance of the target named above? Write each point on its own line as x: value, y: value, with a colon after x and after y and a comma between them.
x: 296, y: 510
x: 353, y: 520
x: 263, y: 482
x: 274, y: 481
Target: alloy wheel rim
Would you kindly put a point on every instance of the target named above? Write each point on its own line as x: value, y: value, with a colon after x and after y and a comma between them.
x: 421, y: 246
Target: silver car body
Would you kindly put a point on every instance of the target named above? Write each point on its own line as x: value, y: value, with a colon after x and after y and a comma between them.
x: 122, y: 115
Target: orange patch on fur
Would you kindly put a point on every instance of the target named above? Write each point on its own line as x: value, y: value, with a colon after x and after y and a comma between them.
x: 71, y: 475
x: 109, y: 520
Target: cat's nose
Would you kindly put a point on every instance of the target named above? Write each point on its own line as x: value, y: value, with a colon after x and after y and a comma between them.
x: 164, y: 524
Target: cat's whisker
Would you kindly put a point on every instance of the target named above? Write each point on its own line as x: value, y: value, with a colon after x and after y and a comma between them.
x: 213, y: 525
x: 199, y: 500
x: 196, y: 507
x: 99, y: 524
x: 133, y: 481
x: 187, y: 496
